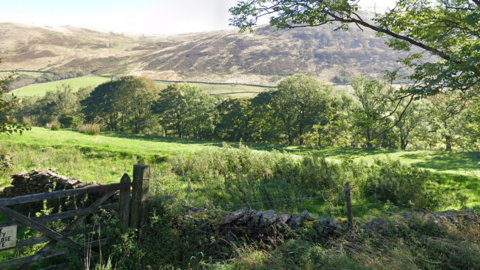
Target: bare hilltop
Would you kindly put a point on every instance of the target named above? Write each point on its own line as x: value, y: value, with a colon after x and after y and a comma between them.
x: 262, y: 57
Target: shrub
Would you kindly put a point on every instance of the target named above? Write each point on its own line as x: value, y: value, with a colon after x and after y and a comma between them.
x: 404, y: 185
x: 55, y: 126
x: 91, y: 129
x: 69, y: 120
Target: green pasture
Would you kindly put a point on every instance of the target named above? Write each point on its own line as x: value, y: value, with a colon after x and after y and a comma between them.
x: 40, y: 89
x: 231, y: 90
x: 118, y: 144
x: 227, y: 90
x: 106, y: 157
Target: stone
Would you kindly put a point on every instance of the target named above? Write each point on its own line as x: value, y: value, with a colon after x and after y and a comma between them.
x: 234, y: 216
x: 45, y: 180
x: 283, y: 219
x: 306, y: 215
x: 246, y: 218
x: 252, y: 223
x: 328, y: 226
x: 295, y: 222
x: 268, y: 218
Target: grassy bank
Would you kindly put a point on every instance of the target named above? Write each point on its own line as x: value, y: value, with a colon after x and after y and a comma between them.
x: 260, y: 176
x: 106, y: 157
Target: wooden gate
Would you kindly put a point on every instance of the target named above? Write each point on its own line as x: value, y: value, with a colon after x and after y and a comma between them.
x: 132, y: 208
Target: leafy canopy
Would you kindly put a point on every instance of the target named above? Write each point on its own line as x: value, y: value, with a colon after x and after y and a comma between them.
x: 7, y: 107
x: 449, y: 30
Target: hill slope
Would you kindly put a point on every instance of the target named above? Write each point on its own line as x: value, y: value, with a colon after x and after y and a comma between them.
x: 261, y: 57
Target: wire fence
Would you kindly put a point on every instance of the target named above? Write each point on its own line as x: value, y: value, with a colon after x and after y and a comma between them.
x: 327, y: 203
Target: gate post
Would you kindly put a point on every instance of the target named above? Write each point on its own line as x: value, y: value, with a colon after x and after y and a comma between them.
x: 125, y: 201
x: 139, y: 204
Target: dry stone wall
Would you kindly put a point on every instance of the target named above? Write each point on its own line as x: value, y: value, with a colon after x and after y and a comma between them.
x: 254, y: 220
x: 40, y: 181
x: 46, y: 180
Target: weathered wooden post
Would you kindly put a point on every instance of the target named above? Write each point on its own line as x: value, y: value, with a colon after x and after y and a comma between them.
x: 139, y: 204
x: 125, y: 201
x: 348, y: 201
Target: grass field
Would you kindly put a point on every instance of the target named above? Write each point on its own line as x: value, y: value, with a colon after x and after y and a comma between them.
x: 106, y: 157
x: 232, y: 90
x: 40, y: 89
x: 228, y: 90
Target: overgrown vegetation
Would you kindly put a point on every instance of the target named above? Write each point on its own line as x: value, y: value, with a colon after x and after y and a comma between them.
x: 228, y: 178
x: 420, y: 242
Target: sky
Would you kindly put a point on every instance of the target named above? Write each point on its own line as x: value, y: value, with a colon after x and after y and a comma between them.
x: 135, y: 17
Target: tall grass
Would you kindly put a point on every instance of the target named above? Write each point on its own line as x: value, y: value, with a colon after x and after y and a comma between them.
x: 175, y: 242
x: 91, y: 129
x: 230, y: 178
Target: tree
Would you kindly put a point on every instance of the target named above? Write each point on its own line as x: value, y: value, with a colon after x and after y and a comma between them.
x: 186, y: 109
x: 123, y: 104
x: 7, y: 107
x: 297, y: 105
x: 413, y: 120
x: 333, y: 124
x: 236, y: 119
x: 446, y: 29
x: 372, y: 117
x: 446, y: 116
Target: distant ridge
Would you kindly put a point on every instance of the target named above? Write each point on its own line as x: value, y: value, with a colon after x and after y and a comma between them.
x: 261, y: 58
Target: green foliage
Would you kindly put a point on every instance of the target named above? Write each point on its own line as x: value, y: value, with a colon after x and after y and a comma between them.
x: 243, y: 176
x: 290, y: 113
x: 445, y: 29
x: 122, y: 105
x: 55, y: 126
x: 371, y: 117
x: 69, y: 120
x: 186, y: 109
x: 174, y: 242
x: 390, y: 181
x: 7, y: 107
x: 236, y: 120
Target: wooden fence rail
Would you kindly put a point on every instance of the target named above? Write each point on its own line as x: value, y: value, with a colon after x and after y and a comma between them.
x: 132, y: 209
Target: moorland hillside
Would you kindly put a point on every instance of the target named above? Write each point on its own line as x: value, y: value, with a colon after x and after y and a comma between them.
x: 262, y: 57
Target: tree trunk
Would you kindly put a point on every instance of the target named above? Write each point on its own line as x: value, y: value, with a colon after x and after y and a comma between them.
x: 404, y: 143
x: 448, y: 143
x: 369, y: 139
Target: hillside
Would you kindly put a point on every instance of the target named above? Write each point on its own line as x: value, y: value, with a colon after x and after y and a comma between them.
x: 262, y: 57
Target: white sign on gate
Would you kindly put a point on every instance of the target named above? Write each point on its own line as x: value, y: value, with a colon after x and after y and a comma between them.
x: 8, y: 237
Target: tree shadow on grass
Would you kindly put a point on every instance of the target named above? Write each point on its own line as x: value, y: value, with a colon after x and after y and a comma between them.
x: 442, y: 161
x: 152, y: 138
x: 333, y: 152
